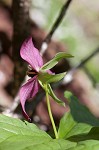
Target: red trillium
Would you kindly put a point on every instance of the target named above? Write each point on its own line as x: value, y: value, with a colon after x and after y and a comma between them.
x: 32, y: 56
x: 40, y: 74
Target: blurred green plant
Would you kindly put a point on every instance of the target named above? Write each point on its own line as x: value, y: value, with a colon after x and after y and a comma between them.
x: 79, y: 111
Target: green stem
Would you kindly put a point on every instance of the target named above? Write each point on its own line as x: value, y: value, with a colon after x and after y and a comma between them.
x: 50, y: 113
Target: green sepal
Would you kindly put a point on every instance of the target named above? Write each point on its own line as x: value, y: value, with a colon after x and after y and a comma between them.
x: 50, y: 64
x: 45, y: 77
x: 51, y: 93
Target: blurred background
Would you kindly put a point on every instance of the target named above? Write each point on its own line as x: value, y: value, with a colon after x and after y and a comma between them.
x: 78, y: 34
x: 78, y: 30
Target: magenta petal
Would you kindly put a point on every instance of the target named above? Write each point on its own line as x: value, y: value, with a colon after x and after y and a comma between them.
x: 28, y: 91
x: 50, y: 72
x: 30, y: 54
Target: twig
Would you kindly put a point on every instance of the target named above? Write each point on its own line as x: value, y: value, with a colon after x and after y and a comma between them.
x: 69, y: 76
x: 55, y: 26
x: 88, y: 58
x: 89, y: 75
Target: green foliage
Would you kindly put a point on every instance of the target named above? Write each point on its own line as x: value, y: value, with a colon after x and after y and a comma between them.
x: 66, y: 124
x: 50, y: 64
x: 80, y: 112
x: 18, y: 135
x: 92, y: 133
x: 68, y: 127
x: 87, y: 145
x: 85, y: 136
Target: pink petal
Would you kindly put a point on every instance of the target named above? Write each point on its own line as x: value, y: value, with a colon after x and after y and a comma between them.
x: 28, y: 91
x: 30, y: 54
x: 50, y: 72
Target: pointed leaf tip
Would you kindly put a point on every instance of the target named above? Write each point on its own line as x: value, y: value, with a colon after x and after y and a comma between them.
x: 50, y: 64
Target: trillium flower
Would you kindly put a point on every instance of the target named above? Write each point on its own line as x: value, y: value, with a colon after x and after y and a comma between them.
x: 40, y: 74
x: 32, y: 56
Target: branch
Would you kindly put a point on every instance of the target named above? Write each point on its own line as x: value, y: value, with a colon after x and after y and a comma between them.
x: 69, y: 76
x: 55, y: 26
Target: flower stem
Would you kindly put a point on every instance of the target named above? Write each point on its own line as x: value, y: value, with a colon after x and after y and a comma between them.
x: 50, y: 113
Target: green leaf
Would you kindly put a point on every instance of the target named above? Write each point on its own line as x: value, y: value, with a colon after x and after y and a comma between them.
x: 53, y: 145
x: 50, y: 64
x: 92, y: 134
x: 66, y: 124
x: 18, y: 135
x: 68, y: 127
x: 51, y: 93
x: 86, y: 145
x: 44, y: 77
x: 10, y: 127
x: 21, y: 142
x: 79, y: 129
x: 82, y: 134
x: 80, y: 112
